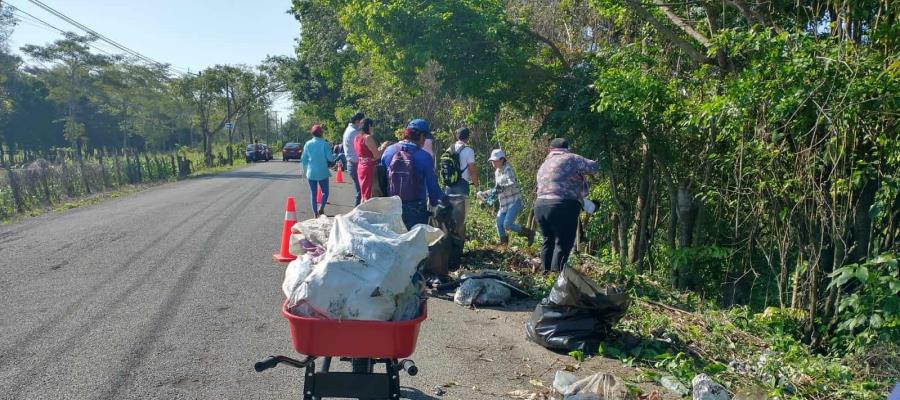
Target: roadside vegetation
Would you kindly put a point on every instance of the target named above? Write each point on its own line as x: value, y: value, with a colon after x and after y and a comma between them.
x: 669, y: 334
x: 748, y: 194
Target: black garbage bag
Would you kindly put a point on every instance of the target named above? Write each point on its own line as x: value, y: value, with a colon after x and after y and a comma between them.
x: 576, y: 315
x: 450, y: 217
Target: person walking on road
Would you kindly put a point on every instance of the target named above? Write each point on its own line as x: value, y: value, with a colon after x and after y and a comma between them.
x: 411, y: 176
x: 458, y: 170
x: 339, y: 157
x: 368, y: 154
x: 316, y: 156
x: 352, y: 159
x: 509, y: 194
x: 560, y: 191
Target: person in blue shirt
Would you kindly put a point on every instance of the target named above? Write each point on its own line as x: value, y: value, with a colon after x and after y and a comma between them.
x: 427, y: 191
x: 316, y: 156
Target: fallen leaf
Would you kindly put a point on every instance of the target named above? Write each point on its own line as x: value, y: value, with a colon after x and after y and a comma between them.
x: 535, y: 382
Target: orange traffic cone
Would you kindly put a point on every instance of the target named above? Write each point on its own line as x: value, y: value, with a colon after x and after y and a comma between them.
x: 290, y: 218
x: 340, y: 174
x: 319, y: 196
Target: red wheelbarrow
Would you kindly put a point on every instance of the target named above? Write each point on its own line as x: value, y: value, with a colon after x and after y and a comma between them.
x: 363, y: 343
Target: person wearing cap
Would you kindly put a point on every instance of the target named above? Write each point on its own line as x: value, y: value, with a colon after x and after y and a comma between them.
x: 509, y: 194
x: 560, y: 190
x: 428, y: 191
x: 350, y: 152
x: 468, y: 171
x: 316, y: 156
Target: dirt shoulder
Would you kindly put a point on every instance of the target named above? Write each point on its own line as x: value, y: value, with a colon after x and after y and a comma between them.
x: 483, y: 354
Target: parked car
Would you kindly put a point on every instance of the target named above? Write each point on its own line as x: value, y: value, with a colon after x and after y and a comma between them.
x: 291, y: 151
x: 258, y: 152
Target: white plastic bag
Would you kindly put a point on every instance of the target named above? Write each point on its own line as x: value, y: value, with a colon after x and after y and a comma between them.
x: 316, y: 230
x: 294, y: 275
x: 369, y: 263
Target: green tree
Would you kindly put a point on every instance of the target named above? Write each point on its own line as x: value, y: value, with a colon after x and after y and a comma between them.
x: 73, y: 77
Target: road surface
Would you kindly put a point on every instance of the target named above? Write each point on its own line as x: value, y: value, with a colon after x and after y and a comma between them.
x: 172, y: 293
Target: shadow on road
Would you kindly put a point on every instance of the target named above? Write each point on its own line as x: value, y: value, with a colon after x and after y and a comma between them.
x: 254, y: 175
x: 414, y: 394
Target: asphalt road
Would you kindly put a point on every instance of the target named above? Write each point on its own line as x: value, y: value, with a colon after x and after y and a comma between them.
x: 172, y: 293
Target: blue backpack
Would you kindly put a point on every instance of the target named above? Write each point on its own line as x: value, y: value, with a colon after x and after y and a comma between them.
x: 402, y: 178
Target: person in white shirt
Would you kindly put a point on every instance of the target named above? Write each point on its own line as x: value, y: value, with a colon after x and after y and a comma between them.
x: 352, y: 158
x: 469, y: 172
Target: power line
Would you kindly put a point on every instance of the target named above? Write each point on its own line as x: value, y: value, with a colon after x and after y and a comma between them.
x: 93, y: 32
x: 48, y: 25
x: 103, y: 37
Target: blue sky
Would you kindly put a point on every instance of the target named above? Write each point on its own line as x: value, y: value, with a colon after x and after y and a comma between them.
x: 188, y: 34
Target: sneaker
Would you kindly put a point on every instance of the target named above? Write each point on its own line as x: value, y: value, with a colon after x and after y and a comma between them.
x: 504, y: 241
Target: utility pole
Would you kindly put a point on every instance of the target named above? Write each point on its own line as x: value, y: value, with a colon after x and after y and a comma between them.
x: 230, y: 125
x: 267, y: 125
x: 275, y: 120
x: 250, y: 123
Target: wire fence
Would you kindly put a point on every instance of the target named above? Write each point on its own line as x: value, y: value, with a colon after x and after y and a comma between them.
x: 42, y: 184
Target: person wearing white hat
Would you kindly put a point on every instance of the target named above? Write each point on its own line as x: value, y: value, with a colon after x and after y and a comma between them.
x: 510, y: 197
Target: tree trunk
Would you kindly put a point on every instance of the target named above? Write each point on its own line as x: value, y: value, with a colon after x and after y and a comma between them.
x: 673, y: 216
x: 687, y: 216
x: 642, y: 211
x: 862, y: 222
x: 614, y: 235
x: 622, y: 237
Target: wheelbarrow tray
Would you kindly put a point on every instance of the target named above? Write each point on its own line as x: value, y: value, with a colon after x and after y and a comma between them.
x: 320, y: 337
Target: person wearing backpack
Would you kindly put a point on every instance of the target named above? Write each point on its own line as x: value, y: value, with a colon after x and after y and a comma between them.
x: 410, y: 174
x: 316, y: 156
x: 457, y: 166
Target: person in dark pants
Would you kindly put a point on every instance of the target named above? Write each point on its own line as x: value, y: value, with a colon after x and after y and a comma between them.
x: 350, y: 152
x: 411, y: 174
x: 561, y: 189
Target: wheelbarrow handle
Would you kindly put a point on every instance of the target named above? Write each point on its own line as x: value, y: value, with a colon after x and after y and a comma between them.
x: 410, y: 367
x: 273, y: 361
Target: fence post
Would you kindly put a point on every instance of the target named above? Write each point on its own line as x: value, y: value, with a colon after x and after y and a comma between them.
x: 14, y: 185
x: 138, y: 169
x: 65, y: 178
x: 103, y: 174
x: 149, y: 169
x: 84, y: 178
x: 45, y: 184
x: 118, y: 169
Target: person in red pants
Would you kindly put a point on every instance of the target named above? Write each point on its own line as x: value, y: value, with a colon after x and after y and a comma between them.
x: 368, y: 154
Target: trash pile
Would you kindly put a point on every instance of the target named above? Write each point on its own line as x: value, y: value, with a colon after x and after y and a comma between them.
x: 362, y: 265
x: 576, y: 315
x: 478, y: 288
